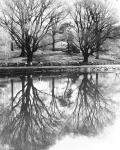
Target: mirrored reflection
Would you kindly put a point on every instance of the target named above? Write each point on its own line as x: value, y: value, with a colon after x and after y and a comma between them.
x: 92, y: 111
x: 28, y: 121
x: 39, y: 110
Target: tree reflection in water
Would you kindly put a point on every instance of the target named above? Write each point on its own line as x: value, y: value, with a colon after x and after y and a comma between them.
x: 65, y: 98
x: 29, y: 123
x: 92, y: 111
x: 33, y: 121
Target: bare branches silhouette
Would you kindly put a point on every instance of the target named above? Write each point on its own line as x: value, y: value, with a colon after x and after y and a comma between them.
x: 34, y: 119
x: 92, y: 111
x: 30, y: 121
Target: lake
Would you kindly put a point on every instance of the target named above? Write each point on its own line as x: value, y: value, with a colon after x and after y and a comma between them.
x: 69, y: 111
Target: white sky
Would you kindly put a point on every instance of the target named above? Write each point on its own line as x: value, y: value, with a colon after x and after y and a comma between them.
x: 113, y: 3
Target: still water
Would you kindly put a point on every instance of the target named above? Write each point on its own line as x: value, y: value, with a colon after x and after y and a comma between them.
x: 73, y: 111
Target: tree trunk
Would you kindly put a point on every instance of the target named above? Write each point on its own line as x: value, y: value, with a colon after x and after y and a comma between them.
x: 53, y: 45
x: 97, y: 53
x: 29, y: 58
x: 68, y: 47
x: 97, y: 41
x: 97, y: 46
x: 12, y: 46
x: 23, y: 54
x: 85, y: 60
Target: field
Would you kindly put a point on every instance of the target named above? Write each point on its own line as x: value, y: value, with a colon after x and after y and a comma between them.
x: 60, y: 57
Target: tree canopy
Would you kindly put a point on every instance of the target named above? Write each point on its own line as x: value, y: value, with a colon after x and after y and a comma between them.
x: 93, y: 22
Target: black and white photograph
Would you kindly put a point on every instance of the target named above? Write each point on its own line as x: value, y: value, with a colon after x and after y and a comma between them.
x: 59, y: 74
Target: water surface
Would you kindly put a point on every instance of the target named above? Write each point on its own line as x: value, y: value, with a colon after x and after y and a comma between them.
x: 69, y: 111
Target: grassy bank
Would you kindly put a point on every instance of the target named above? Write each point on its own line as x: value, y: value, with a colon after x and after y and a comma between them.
x: 49, y: 58
x: 60, y: 58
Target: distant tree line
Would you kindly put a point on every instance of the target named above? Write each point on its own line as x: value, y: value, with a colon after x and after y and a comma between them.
x: 84, y: 27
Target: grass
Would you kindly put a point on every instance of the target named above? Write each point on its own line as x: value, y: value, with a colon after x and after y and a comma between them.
x: 61, y: 58
x: 54, y: 58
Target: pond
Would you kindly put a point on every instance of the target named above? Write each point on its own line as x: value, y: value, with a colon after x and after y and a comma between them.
x: 69, y: 111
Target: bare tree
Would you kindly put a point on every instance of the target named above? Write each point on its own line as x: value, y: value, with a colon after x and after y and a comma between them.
x: 31, y: 20
x: 68, y: 35
x: 104, y: 22
x: 93, y: 23
x: 59, y: 16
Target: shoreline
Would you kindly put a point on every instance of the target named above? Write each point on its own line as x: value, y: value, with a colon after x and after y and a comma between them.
x: 59, y: 69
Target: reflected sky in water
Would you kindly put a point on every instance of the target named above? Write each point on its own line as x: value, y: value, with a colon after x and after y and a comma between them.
x: 58, y: 112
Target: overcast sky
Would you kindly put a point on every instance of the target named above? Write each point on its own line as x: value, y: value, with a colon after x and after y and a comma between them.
x: 113, y: 3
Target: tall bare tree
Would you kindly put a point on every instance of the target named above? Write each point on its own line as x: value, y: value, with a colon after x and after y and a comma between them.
x: 93, y: 23
x: 59, y: 16
x: 31, y: 20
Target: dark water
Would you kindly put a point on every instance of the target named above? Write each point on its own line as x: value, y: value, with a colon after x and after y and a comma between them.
x: 37, y: 112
